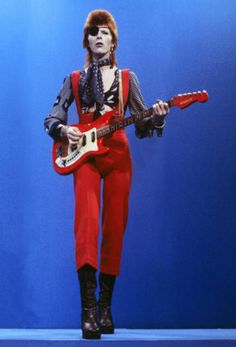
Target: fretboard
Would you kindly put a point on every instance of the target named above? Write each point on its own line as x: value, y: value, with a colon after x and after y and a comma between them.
x: 122, y: 123
x: 180, y: 100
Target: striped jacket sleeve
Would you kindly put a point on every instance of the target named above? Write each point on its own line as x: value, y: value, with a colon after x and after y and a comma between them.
x: 136, y: 104
x: 58, y: 113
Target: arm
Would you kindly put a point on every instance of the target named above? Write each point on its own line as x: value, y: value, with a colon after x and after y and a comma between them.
x: 55, y: 122
x: 136, y: 104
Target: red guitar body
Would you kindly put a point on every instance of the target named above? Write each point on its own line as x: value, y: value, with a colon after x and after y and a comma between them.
x: 66, y: 157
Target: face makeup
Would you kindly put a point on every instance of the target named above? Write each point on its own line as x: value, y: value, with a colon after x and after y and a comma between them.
x: 100, y: 41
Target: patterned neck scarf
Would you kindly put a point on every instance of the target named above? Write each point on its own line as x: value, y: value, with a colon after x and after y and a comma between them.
x: 92, y: 86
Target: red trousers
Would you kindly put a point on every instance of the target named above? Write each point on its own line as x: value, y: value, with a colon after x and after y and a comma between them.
x: 115, y: 168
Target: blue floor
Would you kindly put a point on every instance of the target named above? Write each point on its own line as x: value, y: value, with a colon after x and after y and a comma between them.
x: 122, y: 337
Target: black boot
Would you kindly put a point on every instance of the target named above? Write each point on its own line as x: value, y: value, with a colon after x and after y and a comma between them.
x: 106, y: 283
x: 88, y: 284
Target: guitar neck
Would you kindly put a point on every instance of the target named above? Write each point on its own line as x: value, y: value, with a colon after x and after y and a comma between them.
x: 181, y: 100
x: 124, y: 122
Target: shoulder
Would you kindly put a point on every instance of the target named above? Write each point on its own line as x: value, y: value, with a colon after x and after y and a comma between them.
x: 77, y: 73
x: 134, y: 82
x: 76, y: 76
x: 132, y: 75
x: 130, y: 72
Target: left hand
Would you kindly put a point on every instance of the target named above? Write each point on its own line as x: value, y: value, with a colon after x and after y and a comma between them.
x: 160, y: 108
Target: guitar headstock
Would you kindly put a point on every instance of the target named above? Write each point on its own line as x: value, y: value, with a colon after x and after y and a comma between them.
x: 185, y: 100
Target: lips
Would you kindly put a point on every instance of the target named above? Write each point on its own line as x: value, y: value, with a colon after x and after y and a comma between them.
x: 99, y: 44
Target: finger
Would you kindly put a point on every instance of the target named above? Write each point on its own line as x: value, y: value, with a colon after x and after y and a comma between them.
x: 164, y: 107
x: 75, y: 131
x: 71, y: 139
x: 74, y: 134
x: 74, y: 137
x: 73, y: 142
x: 157, y: 109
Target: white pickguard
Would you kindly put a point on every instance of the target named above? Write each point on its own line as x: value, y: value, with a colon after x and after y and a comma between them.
x: 76, y: 152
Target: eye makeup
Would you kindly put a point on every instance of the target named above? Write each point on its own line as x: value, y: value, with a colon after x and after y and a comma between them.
x: 93, y: 31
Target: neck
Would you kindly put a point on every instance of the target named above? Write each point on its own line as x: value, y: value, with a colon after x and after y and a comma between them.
x: 97, y: 57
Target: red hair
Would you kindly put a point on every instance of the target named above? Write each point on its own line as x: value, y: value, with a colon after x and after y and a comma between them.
x: 100, y: 17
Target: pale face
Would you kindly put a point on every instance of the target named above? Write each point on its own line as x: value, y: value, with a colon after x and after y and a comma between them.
x: 100, y: 42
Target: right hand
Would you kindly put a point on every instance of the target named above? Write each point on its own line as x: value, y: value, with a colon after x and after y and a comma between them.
x: 73, y: 134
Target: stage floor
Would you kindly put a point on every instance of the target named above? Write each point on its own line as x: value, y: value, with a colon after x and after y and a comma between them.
x: 122, y: 337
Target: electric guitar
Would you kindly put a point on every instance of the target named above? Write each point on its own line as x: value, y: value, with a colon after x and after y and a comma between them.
x: 68, y: 157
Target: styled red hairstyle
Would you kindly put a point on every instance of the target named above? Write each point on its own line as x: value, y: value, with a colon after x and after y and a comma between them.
x: 100, y: 17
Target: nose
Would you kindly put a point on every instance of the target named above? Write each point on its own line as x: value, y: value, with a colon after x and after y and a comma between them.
x: 99, y: 34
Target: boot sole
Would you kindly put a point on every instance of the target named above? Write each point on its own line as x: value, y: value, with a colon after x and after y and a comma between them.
x: 91, y: 336
x: 107, y: 330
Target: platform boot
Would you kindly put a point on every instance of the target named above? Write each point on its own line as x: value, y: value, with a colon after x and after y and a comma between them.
x: 88, y: 284
x: 106, y: 283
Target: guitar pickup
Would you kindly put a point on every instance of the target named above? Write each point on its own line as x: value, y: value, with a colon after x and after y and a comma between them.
x: 93, y: 136
x: 84, y: 140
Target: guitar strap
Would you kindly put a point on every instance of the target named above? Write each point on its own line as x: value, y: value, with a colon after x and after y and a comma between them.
x: 75, y: 87
x: 123, y: 90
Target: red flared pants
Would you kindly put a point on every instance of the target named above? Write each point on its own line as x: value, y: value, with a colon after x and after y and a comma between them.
x: 115, y: 169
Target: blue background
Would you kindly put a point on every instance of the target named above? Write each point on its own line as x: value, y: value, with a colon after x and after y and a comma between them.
x: 178, y: 265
